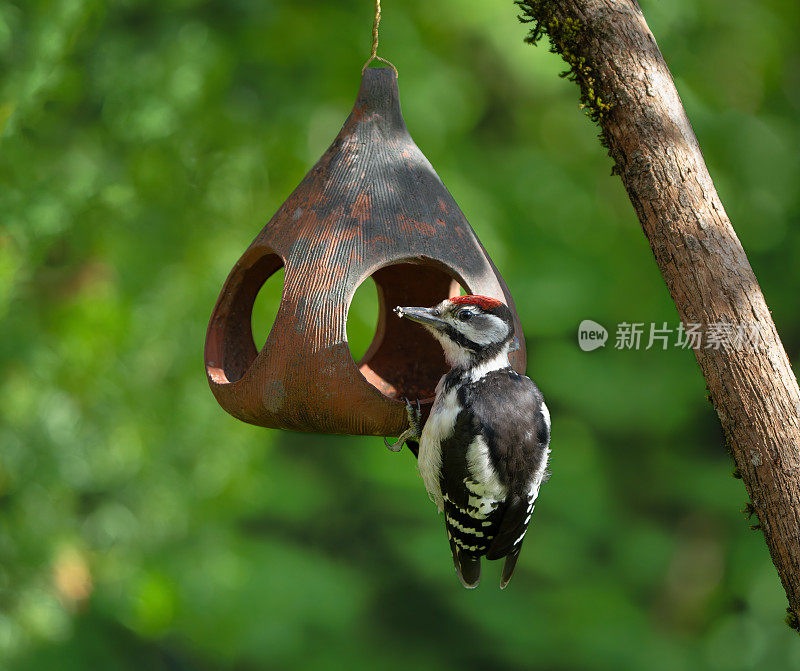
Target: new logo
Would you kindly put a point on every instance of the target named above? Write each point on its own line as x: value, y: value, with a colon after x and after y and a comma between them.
x: 591, y: 335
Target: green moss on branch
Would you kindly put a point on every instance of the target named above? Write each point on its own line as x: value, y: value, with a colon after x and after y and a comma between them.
x: 791, y: 620
x: 567, y: 39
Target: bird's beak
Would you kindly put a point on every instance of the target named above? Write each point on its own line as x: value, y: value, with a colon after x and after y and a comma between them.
x: 426, y: 316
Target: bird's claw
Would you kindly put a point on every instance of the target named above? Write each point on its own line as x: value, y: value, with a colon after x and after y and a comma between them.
x: 414, y: 418
x: 395, y: 446
x: 413, y: 431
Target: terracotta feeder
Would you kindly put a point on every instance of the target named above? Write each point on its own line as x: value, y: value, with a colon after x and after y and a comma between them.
x: 372, y: 206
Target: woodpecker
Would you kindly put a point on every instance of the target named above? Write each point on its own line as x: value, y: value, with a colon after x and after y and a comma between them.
x: 483, y: 452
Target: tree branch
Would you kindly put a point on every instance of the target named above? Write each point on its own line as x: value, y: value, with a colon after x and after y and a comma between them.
x: 627, y: 88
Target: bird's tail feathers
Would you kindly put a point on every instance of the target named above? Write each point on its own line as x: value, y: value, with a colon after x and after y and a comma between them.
x: 508, y: 566
x: 468, y: 567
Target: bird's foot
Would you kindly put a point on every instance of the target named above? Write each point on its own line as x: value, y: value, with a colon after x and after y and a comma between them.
x: 398, y: 444
x: 414, y: 414
x: 414, y: 430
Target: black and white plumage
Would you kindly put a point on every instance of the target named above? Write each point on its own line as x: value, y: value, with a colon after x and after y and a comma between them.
x: 484, y: 449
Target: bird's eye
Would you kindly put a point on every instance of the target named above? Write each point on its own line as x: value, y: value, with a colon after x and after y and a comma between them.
x: 464, y: 315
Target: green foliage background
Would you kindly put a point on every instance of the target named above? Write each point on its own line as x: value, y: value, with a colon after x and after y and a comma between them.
x: 143, y: 146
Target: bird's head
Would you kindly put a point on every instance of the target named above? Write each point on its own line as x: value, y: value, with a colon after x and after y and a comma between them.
x: 471, y: 329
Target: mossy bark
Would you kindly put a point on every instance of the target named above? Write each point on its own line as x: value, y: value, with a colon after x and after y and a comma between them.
x: 628, y: 90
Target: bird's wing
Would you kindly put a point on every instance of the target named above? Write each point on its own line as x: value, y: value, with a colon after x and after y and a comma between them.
x: 508, y: 427
x: 512, y: 528
x: 470, y: 526
x: 518, y: 435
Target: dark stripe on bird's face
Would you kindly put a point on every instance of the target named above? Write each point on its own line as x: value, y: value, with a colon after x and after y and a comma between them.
x: 459, y: 338
x: 480, y: 353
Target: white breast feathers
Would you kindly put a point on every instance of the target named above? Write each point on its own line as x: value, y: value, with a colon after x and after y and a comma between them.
x: 439, y: 426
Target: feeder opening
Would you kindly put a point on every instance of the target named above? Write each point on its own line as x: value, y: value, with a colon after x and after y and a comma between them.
x: 266, y: 307
x: 403, y: 359
x: 362, y: 319
x: 230, y: 346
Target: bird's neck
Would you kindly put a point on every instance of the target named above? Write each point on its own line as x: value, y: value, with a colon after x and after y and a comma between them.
x: 481, y: 366
x: 475, y: 364
x: 455, y: 355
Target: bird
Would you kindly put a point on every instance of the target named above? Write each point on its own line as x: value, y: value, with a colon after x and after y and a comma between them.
x: 485, y: 448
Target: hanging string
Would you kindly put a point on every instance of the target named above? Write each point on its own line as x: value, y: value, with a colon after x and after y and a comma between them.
x: 374, y: 55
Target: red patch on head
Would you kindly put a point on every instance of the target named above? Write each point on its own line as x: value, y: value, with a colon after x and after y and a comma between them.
x: 483, y: 302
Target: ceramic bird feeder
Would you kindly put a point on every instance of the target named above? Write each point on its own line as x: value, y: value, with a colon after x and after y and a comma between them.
x: 372, y: 206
